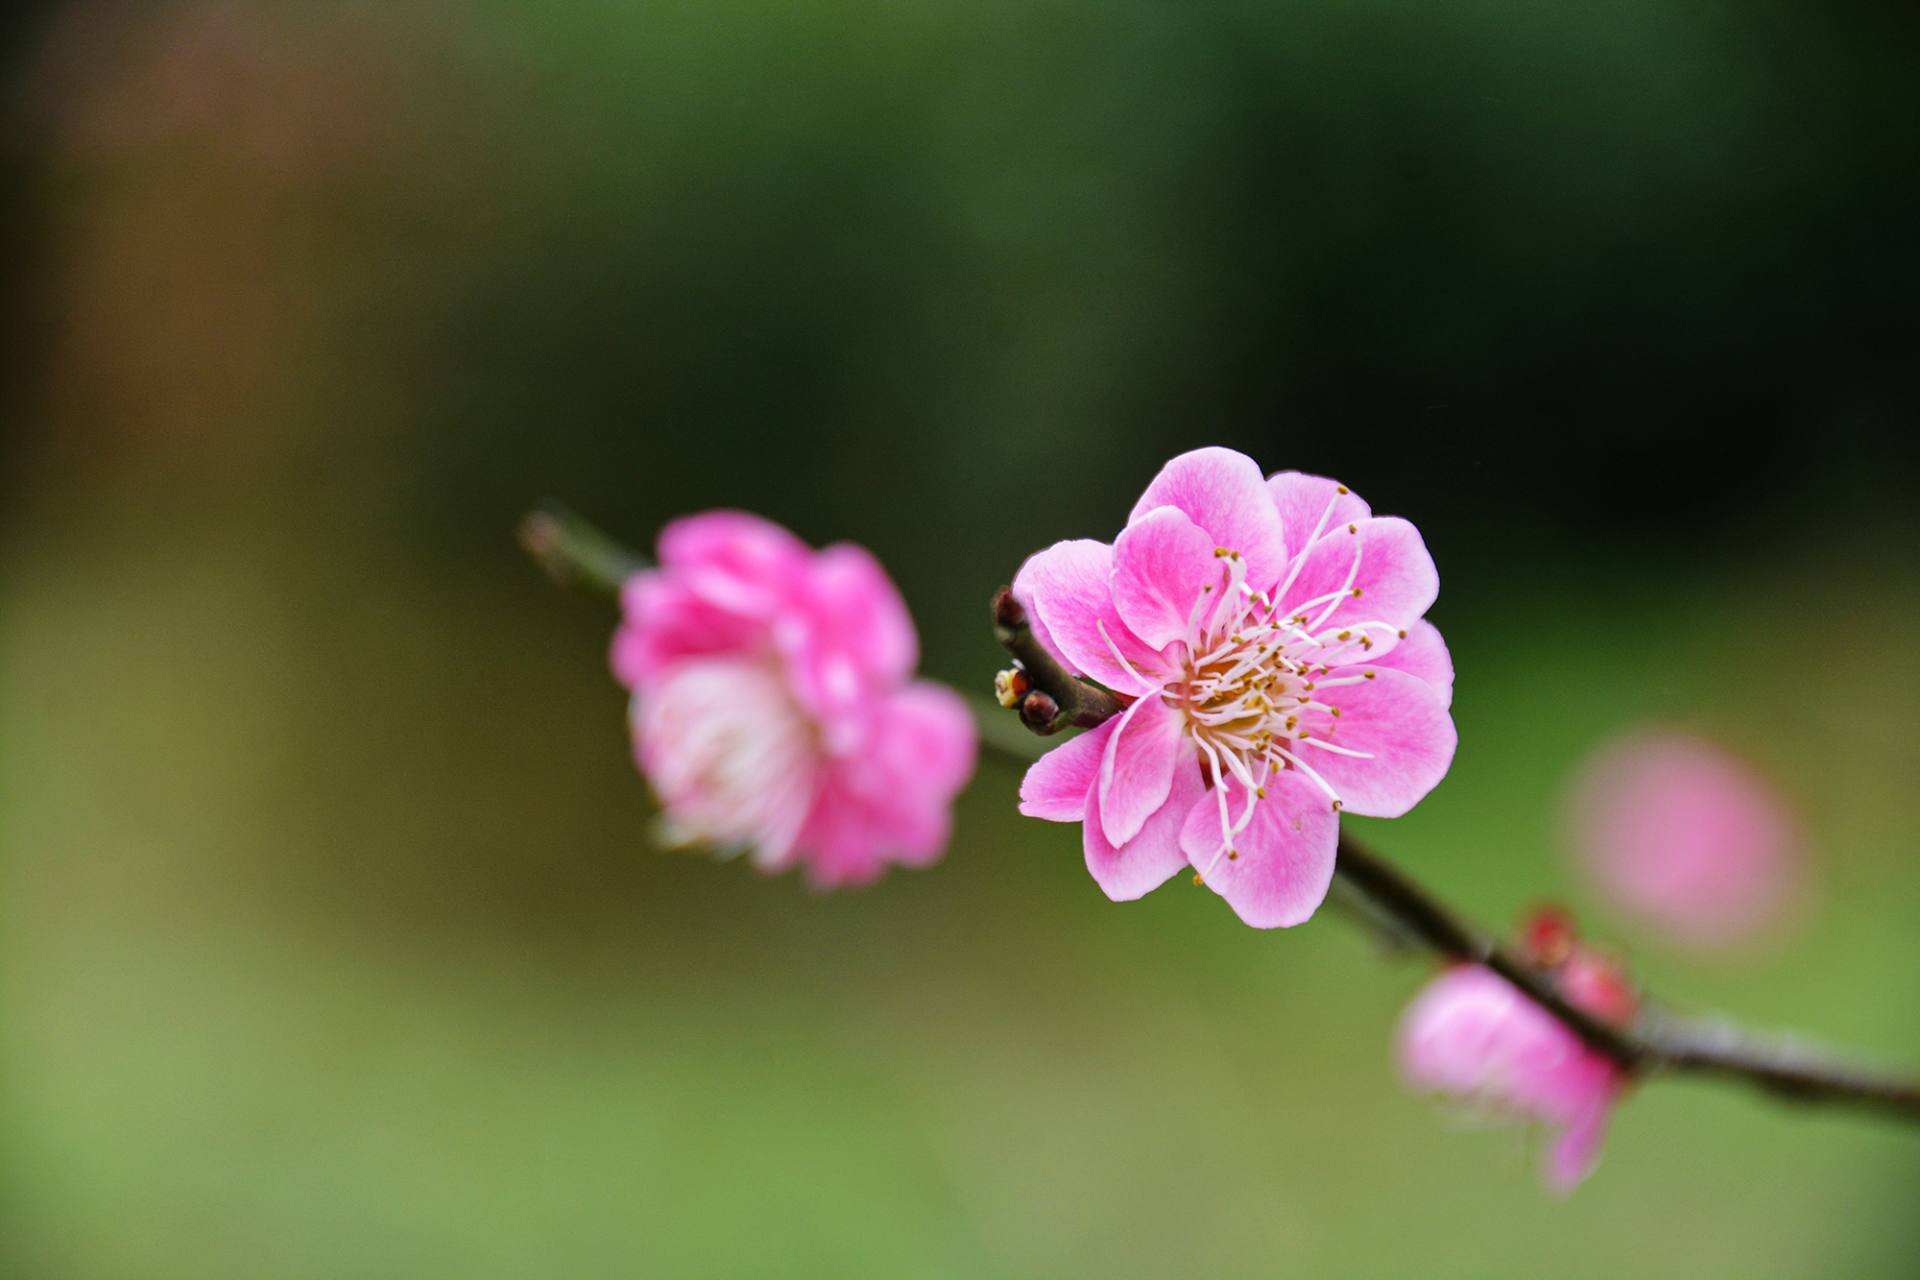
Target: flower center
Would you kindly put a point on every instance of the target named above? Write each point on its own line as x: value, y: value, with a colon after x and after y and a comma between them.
x: 1258, y: 684
x: 730, y: 756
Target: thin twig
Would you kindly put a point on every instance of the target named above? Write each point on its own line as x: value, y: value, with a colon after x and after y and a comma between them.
x: 1658, y: 1043
x: 1057, y: 698
x: 572, y: 551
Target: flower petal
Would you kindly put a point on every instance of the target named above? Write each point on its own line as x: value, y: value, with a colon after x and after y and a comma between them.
x: 1576, y: 1151
x: 1401, y: 725
x: 1286, y: 852
x: 1068, y: 588
x: 1162, y: 562
x: 1307, y: 503
x: 1394, y: 576
x: 1454, y: 1037
x: 1221, y: 491
x: 854, y: 600
x: 893, y: 801
x: 1144, y: 863
x: 1136, y: 769
x: 1057, y: 784
x: 686, y: 731
x: 846, y: 634
x: 1423, y: 654
x: 733, y: 559
x: 928, y: 739
x: 664, y: 624
x: 736, y: 539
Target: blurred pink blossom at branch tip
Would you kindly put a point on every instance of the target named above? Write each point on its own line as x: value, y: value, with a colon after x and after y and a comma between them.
x: 1474, y: 1038
x: 774, y: 711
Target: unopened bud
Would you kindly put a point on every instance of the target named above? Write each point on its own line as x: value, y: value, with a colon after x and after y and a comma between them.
x: 1038, y: 711
x: 1006, y: 610
x: 1548, y: 936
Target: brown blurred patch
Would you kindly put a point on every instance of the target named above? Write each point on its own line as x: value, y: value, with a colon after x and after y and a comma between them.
x: 201, y: 165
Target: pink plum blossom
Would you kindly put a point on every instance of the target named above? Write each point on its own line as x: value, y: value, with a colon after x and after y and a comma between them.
x: 1682, y: 834
x: 1266, y: 635
x: 773, y: 709
x: 1471, y: 1036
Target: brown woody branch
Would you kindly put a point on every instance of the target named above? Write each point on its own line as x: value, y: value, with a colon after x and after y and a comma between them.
x: 1057, y: 698
x: 1658, y: 1043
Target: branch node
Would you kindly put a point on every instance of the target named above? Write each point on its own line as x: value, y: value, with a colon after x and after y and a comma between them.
x: 1040, y: 713
x: 1056, y: 697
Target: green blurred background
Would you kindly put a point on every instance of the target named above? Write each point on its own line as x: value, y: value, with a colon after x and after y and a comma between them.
x: 333, y: 942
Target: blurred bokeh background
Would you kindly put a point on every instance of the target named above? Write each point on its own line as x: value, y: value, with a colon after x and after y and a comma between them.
x: 333, y: 941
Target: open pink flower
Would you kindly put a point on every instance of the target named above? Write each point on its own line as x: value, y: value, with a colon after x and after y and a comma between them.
x: 1267, y: 637
x: 772, y: 705
x: 1474, y: 1038
x: 1684, y: 835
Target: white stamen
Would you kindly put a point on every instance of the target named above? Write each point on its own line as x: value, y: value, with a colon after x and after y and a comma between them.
x: 1323, y: 745
x: 1300, y: 556
x: 1308, y: 769
x: 1114, y: 649
x: 1353, y: 571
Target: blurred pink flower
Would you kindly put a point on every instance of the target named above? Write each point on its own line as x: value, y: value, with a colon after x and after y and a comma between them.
x: 1472, y: 1037
x: 1682, y: 834
x: 1268, y: 639
x: 772, y: 706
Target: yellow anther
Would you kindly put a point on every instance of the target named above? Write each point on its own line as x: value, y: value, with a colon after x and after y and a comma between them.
x: 1260, y: 792
x: 1233, y: 855
x: 1367, y: 674
x: 1346, y: 635
x: 1353, y: 528
x: 1198, y: 879
x: 1342, y: 489
x: 1336, y: 806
